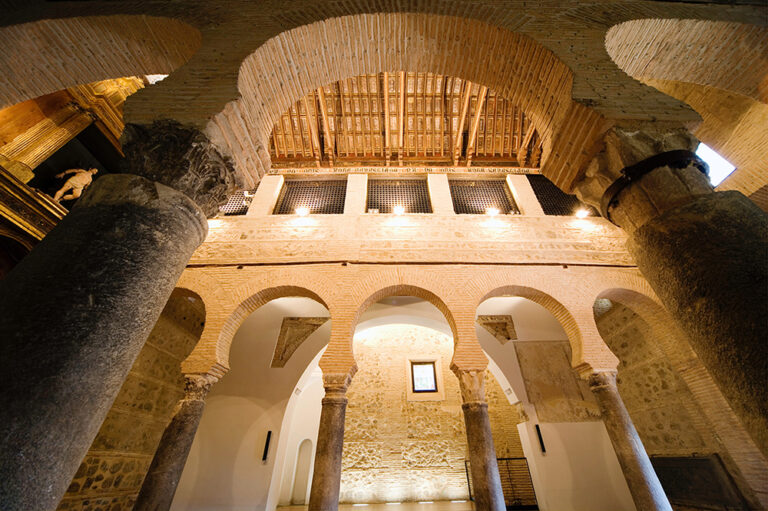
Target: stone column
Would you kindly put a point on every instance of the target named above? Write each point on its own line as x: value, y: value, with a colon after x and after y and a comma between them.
x: 164, y: 473
x: 525, y: 198
x: 34, y: 146
x: 357, y: 194
x: 75, y: 314
x: 705, y: 254
x: 265, y: 198
x: 641, y: 479
x: 484, y: 468
x: 326, y: 481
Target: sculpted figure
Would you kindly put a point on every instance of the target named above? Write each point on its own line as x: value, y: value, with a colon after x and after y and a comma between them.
x: 75, y: 184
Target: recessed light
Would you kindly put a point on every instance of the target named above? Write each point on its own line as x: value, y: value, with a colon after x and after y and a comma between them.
x: 302, y: 211
x: 398, y: 210
x: 582, y: 213
x: 491, y: 211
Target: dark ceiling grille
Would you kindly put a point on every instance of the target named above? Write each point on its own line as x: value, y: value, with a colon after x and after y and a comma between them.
x: 553, y: 200
x: 474, y: 197
x: 324, y: 197
x: 237, y: 203
x: 411, y: 194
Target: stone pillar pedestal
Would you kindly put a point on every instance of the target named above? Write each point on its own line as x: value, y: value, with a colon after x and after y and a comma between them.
x: 164, y: 473
x: 326, y: 481
x: 643, y: 483
x: 75, y: 314
x: 704, y: 253
x: 484, y: 468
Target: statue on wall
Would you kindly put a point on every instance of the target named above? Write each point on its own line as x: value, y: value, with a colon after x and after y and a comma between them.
x: 76, y: 184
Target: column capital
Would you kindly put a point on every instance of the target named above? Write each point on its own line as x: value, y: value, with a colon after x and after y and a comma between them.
x: 197, y: 386
x: 472, y: 384
x: 601, y: 380
x: 336, y: 385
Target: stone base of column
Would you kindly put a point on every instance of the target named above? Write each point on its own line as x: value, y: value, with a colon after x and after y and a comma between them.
x: 708, y: 262
x: 75, y: 314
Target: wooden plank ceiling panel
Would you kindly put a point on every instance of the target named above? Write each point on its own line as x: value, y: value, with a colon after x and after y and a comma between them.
x: 414, y: 119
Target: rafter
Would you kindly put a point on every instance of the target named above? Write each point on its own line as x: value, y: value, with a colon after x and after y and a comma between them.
x: 401, y: 118
x: 312, y: 123
x: 329, y: 140
x: 522, y: 151
x: 472, y: 139
x: 387, y: 148
x: 459, y: 140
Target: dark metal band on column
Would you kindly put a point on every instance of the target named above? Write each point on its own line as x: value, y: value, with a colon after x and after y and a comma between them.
x: 678, y: 159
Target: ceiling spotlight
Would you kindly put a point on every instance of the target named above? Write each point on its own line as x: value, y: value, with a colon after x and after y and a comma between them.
x: 302, y: 211
x: 491, y: 211
x: 582, y: 213
x: 398, y: 210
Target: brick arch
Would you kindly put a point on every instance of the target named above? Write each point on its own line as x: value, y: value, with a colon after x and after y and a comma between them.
x: 720, y: 69
x: 406, y: 290
x: 291, y: 64
x: 555, y: 307
x: 46, y: 56
x: 228, y: 310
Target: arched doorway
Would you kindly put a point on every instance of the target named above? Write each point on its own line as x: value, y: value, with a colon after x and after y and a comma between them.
x: 301, y: 478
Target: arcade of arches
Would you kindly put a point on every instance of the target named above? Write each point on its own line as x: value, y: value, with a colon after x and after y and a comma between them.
x: 443, y: 255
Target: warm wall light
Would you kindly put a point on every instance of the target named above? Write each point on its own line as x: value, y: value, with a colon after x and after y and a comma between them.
x: 398, y: 210
x: 491, y: 211
x: 582, y: 213
x: 302, y: 211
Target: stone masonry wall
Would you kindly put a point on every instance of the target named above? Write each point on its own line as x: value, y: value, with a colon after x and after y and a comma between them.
x: 110, y: 476
x: 398, y: 449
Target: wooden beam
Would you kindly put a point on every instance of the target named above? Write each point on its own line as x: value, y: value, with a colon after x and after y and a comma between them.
x: 312, y: 123
x: 475, y: 123
x: 387, y: 148
x: 401, y: 120
x: 329, y: 141
x: 522, y: 151
x: 458, y: 141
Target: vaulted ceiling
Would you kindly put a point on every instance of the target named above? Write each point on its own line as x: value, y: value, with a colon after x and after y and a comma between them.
x: 405, y: 118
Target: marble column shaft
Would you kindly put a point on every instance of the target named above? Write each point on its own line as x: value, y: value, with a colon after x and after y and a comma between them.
x: 326, y: 480
x: 484, y: 468
x: 642, y: 480
x: 164, y: 473
x: 75, y: 314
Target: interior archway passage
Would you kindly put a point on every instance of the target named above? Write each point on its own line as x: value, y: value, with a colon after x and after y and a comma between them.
x: 404, y: 118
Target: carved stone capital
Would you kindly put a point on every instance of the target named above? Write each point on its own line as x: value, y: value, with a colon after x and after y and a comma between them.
x: 336, y: 387
x: 626, y: 146
x: 472, y: 384
x: 197, y: 386
x: 603, y: 380
x: 181, y: 157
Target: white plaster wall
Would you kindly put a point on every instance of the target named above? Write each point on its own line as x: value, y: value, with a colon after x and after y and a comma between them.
x: 224, y: 470
x: 579, y: 471
x: 302, y: 420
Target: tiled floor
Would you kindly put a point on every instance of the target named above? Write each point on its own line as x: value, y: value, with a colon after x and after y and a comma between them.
x: 403, y: 506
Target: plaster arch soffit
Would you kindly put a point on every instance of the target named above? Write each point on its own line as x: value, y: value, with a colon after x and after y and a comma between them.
x: 290, y: 65
x: 555, y: 307
x: 253, y: 296
x: 46, y: 56
x: 402, y: 289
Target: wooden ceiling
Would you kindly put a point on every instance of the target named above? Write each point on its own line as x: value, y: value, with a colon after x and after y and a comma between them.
x: 397, y: 119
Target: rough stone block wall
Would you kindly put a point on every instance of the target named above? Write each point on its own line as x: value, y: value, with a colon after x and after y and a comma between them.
x: 110, y: 476
x: 397, y: 449
x: 552, y: 386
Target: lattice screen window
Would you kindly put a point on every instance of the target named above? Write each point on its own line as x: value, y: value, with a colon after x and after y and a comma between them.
x: 553, y: 200
x: 410, y: 194
x: 237, y: 203
x: 475, y: 197
x: 324, y: 197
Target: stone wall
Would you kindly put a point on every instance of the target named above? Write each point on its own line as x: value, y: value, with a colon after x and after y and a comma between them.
x: 668, y: 418
x: 112, y: 472
x: 398, y: 448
